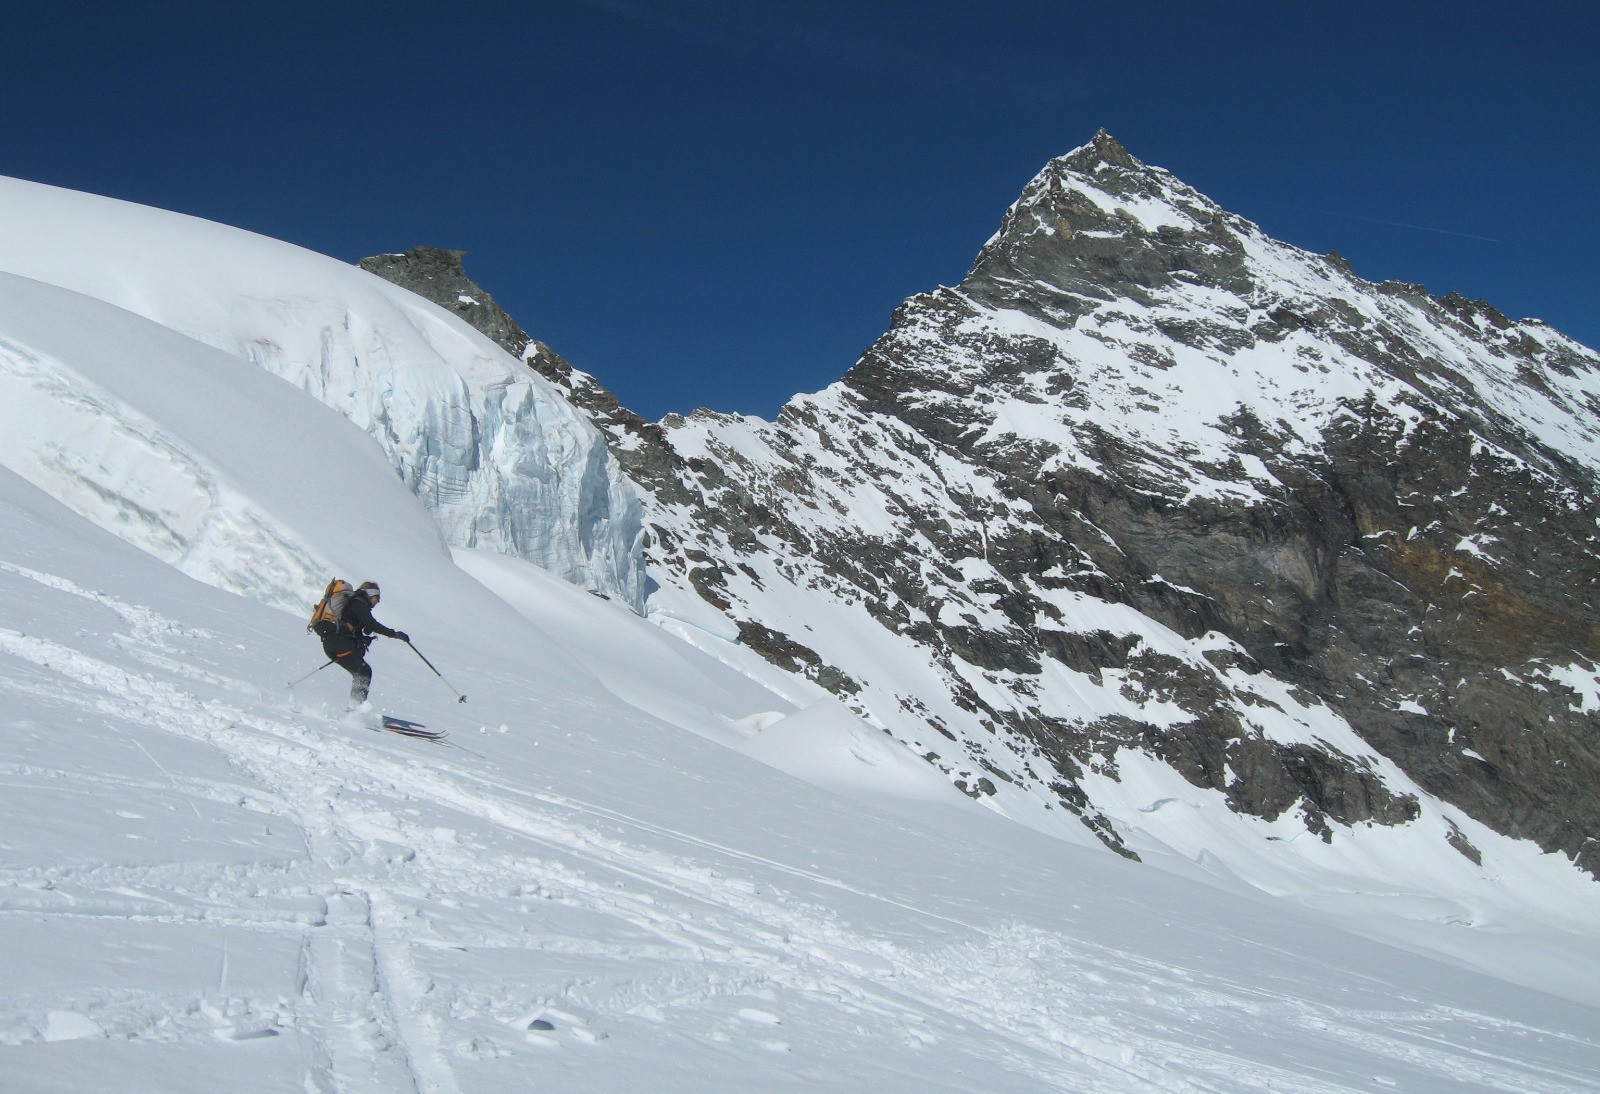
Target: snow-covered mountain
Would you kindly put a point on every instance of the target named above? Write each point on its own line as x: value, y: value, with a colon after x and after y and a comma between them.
x: 1153, y: 511
x: 647, y: 857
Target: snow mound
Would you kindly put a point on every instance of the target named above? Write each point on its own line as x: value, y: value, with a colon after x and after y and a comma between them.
x: 499, y: 458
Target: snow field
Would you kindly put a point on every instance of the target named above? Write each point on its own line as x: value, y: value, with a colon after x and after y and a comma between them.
x: 213, y: 888
x: 211, y: 881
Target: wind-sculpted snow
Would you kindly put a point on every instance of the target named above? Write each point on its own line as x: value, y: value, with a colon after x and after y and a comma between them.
x: 499, y: 458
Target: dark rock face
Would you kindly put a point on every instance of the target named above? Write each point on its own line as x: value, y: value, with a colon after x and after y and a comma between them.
x: 1380, y: 538
x: 436, y: 274
x: 1414, y: 568
x: 1150, y: 487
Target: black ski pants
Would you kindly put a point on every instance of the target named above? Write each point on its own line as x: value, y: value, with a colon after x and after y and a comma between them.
x: 352, y: 657
x: 361, y: 676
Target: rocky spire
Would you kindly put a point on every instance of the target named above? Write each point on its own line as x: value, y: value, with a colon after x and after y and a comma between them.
x: 1072, y: 238
x: 1104, y: 148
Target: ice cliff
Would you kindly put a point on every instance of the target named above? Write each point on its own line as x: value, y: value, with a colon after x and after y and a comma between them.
x: 499, y: 458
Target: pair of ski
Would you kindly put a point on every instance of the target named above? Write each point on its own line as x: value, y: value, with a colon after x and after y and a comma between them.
x: 412, y: 729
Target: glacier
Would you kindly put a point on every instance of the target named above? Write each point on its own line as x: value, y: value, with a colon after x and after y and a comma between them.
x: 500, y: 459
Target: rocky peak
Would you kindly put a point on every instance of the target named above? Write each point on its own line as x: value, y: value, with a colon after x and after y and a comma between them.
x: 1137, y: 401
x: 437, y: 274
x: 1103, y: 149
x: 1096, y: 224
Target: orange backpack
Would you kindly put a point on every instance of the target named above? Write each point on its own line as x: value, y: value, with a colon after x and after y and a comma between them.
x: 329, y: 612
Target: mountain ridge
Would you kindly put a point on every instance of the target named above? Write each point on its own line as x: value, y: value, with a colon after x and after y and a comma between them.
x: 1319, y: 498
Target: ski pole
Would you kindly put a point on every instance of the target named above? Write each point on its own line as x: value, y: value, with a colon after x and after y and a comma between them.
x: 312, y: 673
x: 459, y: 697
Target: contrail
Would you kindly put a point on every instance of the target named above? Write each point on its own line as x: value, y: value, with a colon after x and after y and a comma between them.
x: 1413, y: 227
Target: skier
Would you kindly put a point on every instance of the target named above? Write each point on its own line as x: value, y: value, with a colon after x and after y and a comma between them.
x: 347, y: 643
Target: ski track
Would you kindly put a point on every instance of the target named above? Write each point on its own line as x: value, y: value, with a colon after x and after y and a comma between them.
x: 383, y: 889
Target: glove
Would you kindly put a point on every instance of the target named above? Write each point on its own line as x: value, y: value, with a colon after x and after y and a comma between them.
x: 403, y: 637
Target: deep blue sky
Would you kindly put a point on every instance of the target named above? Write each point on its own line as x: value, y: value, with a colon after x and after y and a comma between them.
x: 719, y: 202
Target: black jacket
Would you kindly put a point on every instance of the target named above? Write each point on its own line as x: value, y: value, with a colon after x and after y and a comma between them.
x: 357, y: 617
x: 355, y: 630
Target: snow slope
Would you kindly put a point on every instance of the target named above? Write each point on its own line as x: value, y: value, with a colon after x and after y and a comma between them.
x: 605, y: 879
x: 206, y: 884
x: 500, y: 460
